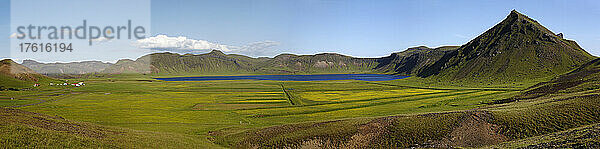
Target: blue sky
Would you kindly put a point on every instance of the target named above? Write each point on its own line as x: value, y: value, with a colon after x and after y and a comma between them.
x: 4, y: 28
x: 357, y: 28
x: 45, y: 13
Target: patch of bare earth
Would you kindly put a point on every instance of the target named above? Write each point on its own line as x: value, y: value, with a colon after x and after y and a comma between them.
x: 474, y: 130
x: 367, y: 134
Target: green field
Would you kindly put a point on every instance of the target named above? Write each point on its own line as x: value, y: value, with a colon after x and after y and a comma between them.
x: 197, y: 109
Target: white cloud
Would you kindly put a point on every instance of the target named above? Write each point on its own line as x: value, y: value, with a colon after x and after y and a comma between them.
x: 165, y: 42
x: 183, y: 44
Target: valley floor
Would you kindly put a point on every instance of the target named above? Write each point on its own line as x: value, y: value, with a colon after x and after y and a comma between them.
x: 222, y: 112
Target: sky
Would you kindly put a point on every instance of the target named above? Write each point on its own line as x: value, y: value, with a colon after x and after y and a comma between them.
x: 270, y: 27
x: 87, y: 14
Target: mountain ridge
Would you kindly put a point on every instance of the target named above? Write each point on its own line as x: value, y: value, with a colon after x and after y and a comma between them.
x: 174, y: 63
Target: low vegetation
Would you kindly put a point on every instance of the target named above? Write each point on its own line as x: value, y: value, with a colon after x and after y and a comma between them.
x: 21, y: 129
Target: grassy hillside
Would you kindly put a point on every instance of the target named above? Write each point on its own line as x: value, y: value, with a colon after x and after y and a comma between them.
x: 21, y: 129
x: 516, y: 49
x: 15, y: 76
x: 583, y: 79
x: 582, y: 137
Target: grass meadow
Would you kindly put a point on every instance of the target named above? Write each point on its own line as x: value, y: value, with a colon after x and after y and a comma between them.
x: 197, y: 109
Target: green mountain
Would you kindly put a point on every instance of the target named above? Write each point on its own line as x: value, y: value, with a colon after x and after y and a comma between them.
x: 14, y: 75
x: 319, y: 63
x: 516, y: 49
x: 129, y: 66
x: 412, y: 60
x: 214, y: 62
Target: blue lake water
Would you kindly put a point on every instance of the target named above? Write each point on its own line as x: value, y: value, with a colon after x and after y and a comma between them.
x: 321, y: 77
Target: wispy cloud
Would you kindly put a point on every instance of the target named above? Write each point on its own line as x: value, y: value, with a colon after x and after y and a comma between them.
x: 183, y: 44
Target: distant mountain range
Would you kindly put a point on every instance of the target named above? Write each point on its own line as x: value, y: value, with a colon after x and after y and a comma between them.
x: 217, y: 62
x: 408, y: 62
x: 66, y: 68
x: 516, y: 49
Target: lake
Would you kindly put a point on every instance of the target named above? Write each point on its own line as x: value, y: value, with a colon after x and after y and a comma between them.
x: 321, y: 77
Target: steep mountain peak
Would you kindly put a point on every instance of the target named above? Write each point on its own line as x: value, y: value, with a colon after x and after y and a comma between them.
x: 516, y: 48
x: 520, y: 23
x: 515, y: 13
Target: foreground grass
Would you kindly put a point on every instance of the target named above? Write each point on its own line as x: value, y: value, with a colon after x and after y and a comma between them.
x: 21, y: 129
x: 581, y: 137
